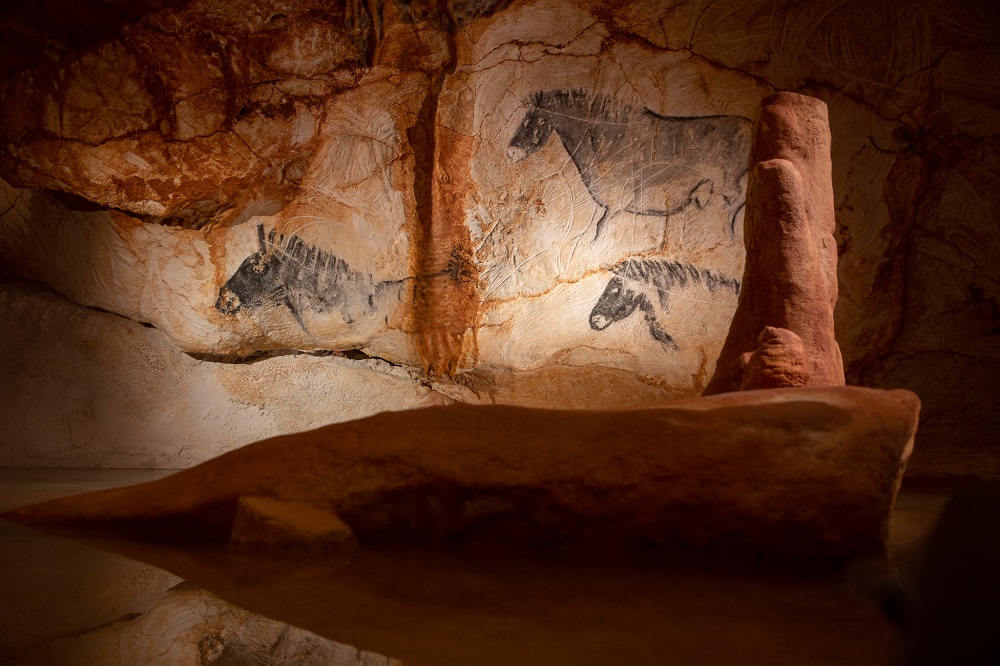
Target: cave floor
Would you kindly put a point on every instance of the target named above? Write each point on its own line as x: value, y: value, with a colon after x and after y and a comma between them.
x: 64, y: 602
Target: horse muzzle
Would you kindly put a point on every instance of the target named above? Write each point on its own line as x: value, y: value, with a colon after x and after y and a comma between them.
x: 599, y: 322
x: 229, y: 301
x: 515, y: 154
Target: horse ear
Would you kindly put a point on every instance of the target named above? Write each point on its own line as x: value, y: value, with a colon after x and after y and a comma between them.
x: 271, y: 236
x: 260, y: 239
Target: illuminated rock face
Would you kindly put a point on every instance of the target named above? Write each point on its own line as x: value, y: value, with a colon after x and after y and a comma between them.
x: 543, y: 199
x: 90, y: 389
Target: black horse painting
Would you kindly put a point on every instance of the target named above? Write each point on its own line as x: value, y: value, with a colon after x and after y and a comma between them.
x: 288, y: 272
x: 646, y: 285
x: 637, y: 161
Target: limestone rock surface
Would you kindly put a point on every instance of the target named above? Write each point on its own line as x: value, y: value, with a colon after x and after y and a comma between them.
x: 419, y: 217
x: 189, y: 626
x: 793, y: 472
x: 90, y: 389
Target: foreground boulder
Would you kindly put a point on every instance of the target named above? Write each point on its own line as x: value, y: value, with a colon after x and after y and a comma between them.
x: 806, y: 472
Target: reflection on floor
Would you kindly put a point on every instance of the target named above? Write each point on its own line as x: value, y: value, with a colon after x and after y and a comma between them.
x: 62, y: 602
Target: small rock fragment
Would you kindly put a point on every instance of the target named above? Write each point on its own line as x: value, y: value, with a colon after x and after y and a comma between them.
x: 264, y: 521
x: 780, y: 360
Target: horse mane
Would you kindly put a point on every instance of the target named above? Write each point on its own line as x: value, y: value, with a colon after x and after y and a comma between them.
x: 648, y: 270
x: 595, y: 106
x: 557, y: 98
x: 292, y: 248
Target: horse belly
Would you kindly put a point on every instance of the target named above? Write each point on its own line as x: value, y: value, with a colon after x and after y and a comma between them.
x: 637, y: 184
x: 731, y: 151
x: 672, y: 169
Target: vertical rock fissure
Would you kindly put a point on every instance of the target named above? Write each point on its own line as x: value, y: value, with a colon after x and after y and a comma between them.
x: 445, y: 296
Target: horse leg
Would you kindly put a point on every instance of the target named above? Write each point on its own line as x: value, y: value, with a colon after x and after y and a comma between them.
x: 606, y: 217
x: 658, y: 333
x: 735, y: 188
x: 701, y: 193
x: 732, y: 219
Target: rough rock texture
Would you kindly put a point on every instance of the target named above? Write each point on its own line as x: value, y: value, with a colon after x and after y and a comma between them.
x: 267, y: 522
x: 779, y: 360
x: 89, y: 389
x: 188, y: 626
x: 423, y: 215
x: 790, y: 279
x: 794, y: 472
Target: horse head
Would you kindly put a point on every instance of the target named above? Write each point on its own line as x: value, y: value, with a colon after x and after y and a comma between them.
x: 548, y: 111
x: 251, y: 280
x: 534, y: 131
x: 616, y: 303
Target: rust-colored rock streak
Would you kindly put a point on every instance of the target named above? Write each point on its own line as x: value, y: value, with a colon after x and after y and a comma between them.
x: 448, y: 299
x: 805, y: 472
x: 790, y: 279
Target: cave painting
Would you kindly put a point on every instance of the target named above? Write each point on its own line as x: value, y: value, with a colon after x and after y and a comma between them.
x: 647, y: 285
x: 288, y: 272
x: 637, y: 161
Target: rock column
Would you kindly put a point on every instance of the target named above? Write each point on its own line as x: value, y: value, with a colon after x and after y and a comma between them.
x: 789, y: 289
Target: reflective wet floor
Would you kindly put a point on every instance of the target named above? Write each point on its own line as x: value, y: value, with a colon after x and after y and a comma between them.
x: 67, y: 602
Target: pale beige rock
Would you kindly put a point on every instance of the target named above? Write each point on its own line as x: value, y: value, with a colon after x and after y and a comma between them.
x: 189, y: 626
x: 790, y: 472
x: 544, y: 272
x: 172, y: 277
x: 90, y: 389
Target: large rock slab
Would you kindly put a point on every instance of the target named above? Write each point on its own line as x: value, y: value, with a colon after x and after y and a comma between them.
x: 327, y: 270
x: 601, y: 198
x: 789, y: 472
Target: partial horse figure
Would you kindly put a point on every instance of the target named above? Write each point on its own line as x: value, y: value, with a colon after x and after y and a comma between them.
x: 285, y: 271
x: 637, y: 161
x: 647, y: 285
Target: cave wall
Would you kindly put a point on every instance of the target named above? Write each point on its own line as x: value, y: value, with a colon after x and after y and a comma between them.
x: 526, y: 202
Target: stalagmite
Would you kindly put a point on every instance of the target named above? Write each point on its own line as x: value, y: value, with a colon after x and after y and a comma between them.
x: 790, y: 279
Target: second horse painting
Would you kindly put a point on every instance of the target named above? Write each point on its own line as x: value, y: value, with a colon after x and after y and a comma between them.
x: 636, y: 161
